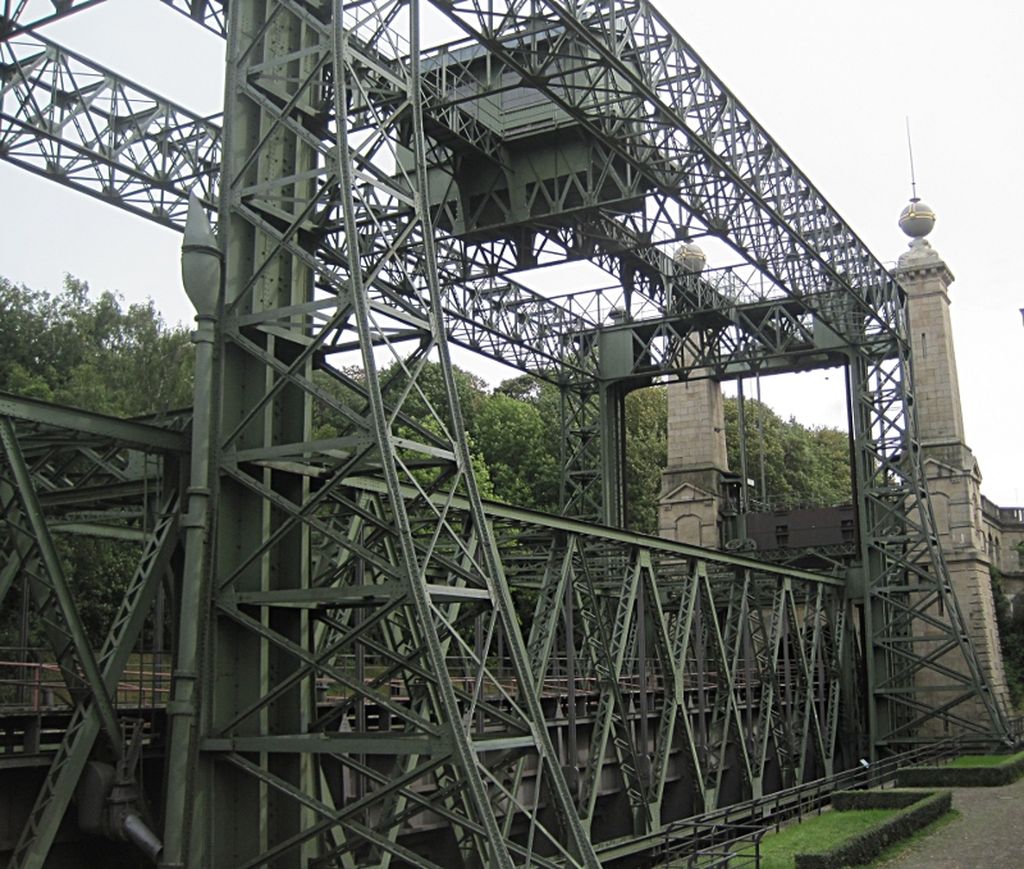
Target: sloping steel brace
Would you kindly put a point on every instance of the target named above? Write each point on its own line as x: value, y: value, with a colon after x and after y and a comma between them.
x: 447, y: 470
x: 58, y: 586
x: 769, y: 193
x: 696, y: 145
x: 66, y: 768
x: 124, y: 432
x: 22, y: 16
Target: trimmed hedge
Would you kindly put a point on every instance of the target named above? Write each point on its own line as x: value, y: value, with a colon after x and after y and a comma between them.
x: 923, y: 808
x: 961, y: 776
x: 890, y: 798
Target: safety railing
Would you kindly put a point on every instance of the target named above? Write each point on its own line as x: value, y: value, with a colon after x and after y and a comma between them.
x: 734, y: 846
x: 30, y: 681
x: 733, y: 830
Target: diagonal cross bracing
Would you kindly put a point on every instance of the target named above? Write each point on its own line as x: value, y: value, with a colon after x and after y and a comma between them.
x: 623, y: 74
x: 81, y: 125
x: 73, y: 121
x: 369, y: 547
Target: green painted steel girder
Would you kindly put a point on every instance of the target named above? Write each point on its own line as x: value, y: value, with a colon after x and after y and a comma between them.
x: 129, y: 433
x: 404, y: 591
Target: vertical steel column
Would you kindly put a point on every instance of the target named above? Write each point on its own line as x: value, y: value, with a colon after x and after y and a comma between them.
x: 267, y: 178
x: 612, y: 435
x: 193, y: 596
x: 584, y: 419
x: 859, y: 582
x: 615, y: 362
x: 329, y: 248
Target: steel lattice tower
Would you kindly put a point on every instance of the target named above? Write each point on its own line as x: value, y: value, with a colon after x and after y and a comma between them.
x: 373, y: 196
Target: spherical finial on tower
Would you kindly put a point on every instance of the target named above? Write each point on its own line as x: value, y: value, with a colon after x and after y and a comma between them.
x: 690, y: 259
x: 917, y: 219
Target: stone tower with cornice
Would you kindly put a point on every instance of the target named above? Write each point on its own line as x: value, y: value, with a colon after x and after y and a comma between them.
x: 691, y: 502
x: 951, y: 471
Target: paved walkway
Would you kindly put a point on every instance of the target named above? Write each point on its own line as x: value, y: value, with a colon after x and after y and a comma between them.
x: 989, y: 832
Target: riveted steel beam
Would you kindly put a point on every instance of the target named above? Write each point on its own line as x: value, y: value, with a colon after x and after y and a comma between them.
x: 129, y: 433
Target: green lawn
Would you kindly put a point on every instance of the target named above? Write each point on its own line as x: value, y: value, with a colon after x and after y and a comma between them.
x: 973, y: 760
x: 778, y: 850
x: 816, y: 834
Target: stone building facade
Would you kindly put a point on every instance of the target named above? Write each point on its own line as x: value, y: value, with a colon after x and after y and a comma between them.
x: 1004, y: 531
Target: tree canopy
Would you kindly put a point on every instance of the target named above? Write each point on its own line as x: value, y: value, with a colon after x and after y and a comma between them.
x: 803, y: 466
x: 93, y: 353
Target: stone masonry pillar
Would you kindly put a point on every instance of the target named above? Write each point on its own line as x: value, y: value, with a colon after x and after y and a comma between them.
x: 691, y: 483
x: 951, y: 471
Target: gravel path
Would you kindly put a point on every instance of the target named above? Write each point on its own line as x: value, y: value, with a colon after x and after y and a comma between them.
x: 989, y: 832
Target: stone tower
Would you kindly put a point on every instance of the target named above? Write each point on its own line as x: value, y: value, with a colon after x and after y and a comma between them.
x: 951, y: 471
x: 691, y: 486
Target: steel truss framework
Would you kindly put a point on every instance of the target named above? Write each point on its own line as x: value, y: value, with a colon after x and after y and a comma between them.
x: 374, y: 196
x: 670, y: 674
x: 70, y: 471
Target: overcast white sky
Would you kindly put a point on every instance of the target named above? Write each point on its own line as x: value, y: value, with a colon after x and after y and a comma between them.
x: 832, y: 82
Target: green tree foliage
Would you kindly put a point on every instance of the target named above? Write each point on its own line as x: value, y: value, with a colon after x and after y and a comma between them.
x: 93, y: 353
x: 511, y: 437
x: 646, y: 455
x: 90, y: 352
x: 73, y: 349
x: 99, y: 571
x: 1011, y: 638
x: 803, y: 466
x: 423, y: 408
x: 540, y: 479
x: 429, y: 397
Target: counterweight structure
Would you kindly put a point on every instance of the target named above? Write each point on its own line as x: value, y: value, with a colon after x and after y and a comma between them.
x: 504, y: 688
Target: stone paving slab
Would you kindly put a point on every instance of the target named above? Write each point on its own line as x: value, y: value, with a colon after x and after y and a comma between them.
x: 989, y: 832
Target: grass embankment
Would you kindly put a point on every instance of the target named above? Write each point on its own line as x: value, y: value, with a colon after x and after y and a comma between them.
x: 779, y: 850
x: 861, y: 827
x: 967, y: 771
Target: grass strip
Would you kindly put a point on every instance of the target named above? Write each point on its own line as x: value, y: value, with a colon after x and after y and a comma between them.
x: 861, y: 826
x: 975, y: 760
x: 863, y: 847
x: 971, y: 770
x: 779, y: 850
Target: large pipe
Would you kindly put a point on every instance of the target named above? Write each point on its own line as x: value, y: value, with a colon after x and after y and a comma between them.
x: 134, y: 829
